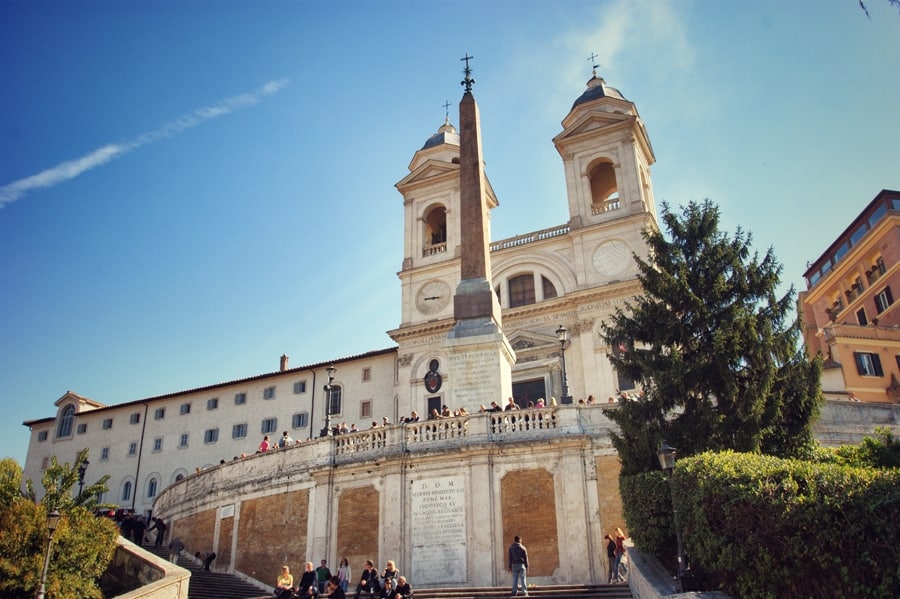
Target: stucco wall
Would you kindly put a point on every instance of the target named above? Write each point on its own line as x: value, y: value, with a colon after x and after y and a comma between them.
x: 351, y: 497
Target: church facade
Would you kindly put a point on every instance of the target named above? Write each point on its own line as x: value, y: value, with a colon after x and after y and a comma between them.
x: 548, y: 474
x: 571, y: 274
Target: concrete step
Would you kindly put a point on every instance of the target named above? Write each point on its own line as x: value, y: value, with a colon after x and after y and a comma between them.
x: 213, y: 585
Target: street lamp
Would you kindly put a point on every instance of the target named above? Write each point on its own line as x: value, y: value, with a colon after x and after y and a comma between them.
x: 52, y: 523
x: 562, y: 333
x: 326, y: 432
x: 81, y: 471
x: 666, y: 457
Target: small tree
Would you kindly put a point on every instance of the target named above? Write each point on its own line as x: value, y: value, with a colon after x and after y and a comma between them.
x: 83, y: 545
x: 59, y: 480
x: 711, y: 343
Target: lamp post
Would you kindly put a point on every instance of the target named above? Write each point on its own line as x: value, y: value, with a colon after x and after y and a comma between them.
x: 52, y: 523
x: 326, y: 431
x: 562, y: 333
x: 81, y: 472
x: 666, y: 457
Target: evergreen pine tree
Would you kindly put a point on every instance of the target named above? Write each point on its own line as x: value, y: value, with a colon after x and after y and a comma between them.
x: 712, y: 345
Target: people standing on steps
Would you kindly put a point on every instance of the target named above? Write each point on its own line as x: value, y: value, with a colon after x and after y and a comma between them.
x: 620, y: 551
x: 518, y: 565
x: 610, y: 558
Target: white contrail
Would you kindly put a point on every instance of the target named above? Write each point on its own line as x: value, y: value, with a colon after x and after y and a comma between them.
x: 70, y: 169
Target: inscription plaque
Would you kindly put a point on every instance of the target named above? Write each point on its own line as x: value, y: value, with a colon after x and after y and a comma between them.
x: 438, y: 516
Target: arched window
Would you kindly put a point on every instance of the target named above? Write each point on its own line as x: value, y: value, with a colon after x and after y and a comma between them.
x: 521, y: 290
x: 435, y: 222
x: 549, y: 289
x: 66, y: 421
x: 151, y: 487
x: 126, y: 491
x: 335, y: 407
x: 604, y: 189
x: 179, y: 476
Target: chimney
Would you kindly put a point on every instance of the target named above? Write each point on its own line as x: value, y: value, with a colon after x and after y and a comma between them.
x: 284, y: 362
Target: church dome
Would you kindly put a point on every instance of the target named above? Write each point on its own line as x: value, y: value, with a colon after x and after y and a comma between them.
x: 596, y: 89
x: 447, y: 134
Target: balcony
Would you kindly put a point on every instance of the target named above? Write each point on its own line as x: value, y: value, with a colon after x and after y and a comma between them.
x: 833, y: 332
x: 434, y: 248
x: 608, y: 206
x: 529, y: 237
x: 875, y: 272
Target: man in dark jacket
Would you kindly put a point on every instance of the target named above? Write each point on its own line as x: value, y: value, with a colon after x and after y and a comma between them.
x: 518, y: 565
x: 368, y: 581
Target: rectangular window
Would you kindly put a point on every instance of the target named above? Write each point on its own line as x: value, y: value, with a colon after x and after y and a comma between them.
x: 107, y: 423
x: 300, y: 420
x: 299, y: 387
x: 104, y: 453
x: 212, y: 404
x: 269, y: 393
x: 365, y: 408
x: 336, y: 394
x: 858, y: 234
x: 42, y: 436
x: 876, y: 216
x: 81, y: 428
x: 183, y: 441
x: 159, y: 414
x: 883, y: 300
x: 814, y: 278
x: 132, y: 448
x: 185, y: 409
x: 240, y: 399
x: 868, y: 364
x: 44, y: 463
x: 157, y: 444
x: 841, y: 251
x: 366, y: 375
x: 269, y: 425
x: 861, y: 317
x: 135, y: 418
x: 239, y: 431
x: 211, y: 435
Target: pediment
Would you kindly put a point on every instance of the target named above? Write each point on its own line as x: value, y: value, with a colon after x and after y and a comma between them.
x: 82, y: 404
x: 530, y: 341
x: 430, y: 169
x: 594, y: 122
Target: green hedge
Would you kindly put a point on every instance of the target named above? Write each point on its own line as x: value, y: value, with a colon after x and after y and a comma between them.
x: 767, y: 527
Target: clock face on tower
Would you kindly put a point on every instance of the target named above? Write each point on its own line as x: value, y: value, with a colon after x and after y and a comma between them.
x: 432, y: 297
x: 611, y: 257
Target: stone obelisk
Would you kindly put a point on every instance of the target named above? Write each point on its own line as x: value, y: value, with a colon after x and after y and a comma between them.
x: 480, y: 356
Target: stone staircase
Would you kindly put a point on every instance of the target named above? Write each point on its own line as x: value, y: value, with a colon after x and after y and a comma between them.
x: 574, y: 591
x: 212, y: 585
x: 218, y: 585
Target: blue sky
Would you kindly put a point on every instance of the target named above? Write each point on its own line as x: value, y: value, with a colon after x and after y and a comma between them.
x: 190, y: 189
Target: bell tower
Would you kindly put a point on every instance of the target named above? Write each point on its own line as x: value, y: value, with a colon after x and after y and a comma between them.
x: 607, y: 157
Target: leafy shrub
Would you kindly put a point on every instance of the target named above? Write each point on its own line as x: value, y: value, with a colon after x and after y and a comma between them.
x: 769, y: 527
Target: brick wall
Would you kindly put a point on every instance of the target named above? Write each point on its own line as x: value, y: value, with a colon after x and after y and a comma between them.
x: 272, y: 533
x: 608, y: 468
x: 196, y: 531
x: 528, y: 502
x: 223, y: 551
x: 357, y: 528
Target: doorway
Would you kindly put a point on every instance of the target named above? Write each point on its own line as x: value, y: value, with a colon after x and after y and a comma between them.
x: 525, y: 391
